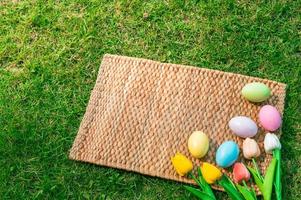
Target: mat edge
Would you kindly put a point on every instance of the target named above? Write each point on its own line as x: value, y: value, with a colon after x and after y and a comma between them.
x: 108, y: 56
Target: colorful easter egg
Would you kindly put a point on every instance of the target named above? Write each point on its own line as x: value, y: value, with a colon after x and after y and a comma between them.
x: 270, y: 118
x: 256, y: 92
x: 243, y: 126
x: 226, y: 154
x: 198, y: 144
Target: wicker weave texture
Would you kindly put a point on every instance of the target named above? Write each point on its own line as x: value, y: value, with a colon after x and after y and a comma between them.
x: 141, y: 112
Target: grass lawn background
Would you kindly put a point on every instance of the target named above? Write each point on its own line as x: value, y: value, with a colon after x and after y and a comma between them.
x: 50, y: 52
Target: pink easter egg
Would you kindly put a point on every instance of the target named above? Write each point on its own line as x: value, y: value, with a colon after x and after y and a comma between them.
x: 270, y: 118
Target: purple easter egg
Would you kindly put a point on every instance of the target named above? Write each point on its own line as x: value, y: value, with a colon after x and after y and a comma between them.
x: 243, y: 126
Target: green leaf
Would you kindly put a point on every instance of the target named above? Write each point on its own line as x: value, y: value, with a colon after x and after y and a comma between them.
x: 201, y: 178
x: 251, y: 190
x: 229, y: 181
x: 246, y: 192
x: 206, y: 187
x: 277, y: 180
x: 253, y: 193
x: 198, y: 193
x: 230, y: 188
x: 268, y: 180
x: 257, y: 180
x: 233, y: 194
x: 196, y: 180
x: 257, y: 169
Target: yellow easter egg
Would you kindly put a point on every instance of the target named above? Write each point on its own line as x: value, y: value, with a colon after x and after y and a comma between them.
x: 198, y: 144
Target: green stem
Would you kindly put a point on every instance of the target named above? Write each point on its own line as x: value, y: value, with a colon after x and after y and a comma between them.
x: 277, y: 180
x: 244, y: 182
x: 257, y: 169
x: 252, y: 189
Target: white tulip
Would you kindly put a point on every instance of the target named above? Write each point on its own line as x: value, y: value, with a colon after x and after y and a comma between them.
x: 271, y: 142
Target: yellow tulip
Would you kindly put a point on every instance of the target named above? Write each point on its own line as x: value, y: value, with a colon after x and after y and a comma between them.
x: 210, y: 172
x: 181, y: 164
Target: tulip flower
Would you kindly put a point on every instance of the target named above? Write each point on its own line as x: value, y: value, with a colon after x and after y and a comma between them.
x: 273, y: 145
x: 240, y: 173
x: 271, y: 142
x: 181, y: 164
x: 265, y: 184
x: 210, y: 172
x: 184, y: 166
x: 250, y: 148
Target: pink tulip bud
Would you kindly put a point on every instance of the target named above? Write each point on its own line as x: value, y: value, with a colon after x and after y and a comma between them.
x: 240, y: 173
x: 250, y: 149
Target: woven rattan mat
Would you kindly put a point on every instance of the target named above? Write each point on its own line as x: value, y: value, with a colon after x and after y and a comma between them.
x: 141, y: 112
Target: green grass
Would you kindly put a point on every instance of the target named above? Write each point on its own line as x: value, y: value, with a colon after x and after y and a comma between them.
x: 50, y: 53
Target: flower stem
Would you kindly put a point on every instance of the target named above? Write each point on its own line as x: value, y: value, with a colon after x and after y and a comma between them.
x: 244, y: 182
x: 257, y: 169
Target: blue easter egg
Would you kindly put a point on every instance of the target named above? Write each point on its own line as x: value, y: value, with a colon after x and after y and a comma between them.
x: 226, y: 154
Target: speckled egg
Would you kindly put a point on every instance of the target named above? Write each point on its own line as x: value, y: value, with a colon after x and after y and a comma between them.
x: 270, y: 118
x: 226, y: 154
x: 243, y: 126
x: 256, y: 92
x: 198, y: 144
